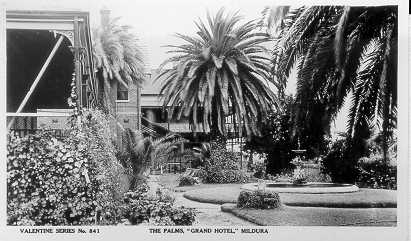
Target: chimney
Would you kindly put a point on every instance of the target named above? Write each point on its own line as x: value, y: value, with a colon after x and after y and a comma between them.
x: 104, y: 16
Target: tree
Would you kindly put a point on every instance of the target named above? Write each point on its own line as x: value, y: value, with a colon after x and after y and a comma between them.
x: 276, y: 139
x: 117, y: 57
x: 224, y: 70
x: 339, y: 50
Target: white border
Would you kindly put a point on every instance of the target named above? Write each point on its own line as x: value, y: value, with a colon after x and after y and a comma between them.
x: 276, y: 233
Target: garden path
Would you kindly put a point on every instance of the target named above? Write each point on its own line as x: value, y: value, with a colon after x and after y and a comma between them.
x: 211, y: 214
x: 208, y: 214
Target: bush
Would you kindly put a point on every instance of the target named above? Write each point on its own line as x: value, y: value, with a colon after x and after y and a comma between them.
x: 187, y: 181
x: 340, y: 163
x: 222, y: 167
x: 259, y: 200
x: 226, y: 176
x: 375, y: 173
x: 259, y: 171
x: 72, y: 181
x: 138, y: 208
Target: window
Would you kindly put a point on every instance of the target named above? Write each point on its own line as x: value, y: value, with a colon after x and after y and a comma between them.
x: 122, y: 92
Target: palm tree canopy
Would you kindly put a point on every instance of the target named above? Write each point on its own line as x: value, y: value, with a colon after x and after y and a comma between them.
x: 117, y: 54
x: 223, y: 70
x: 338, y: 50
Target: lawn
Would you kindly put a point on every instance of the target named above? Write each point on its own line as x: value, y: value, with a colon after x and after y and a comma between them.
x: 365, y: 198
x: 368, y: 207
x: 228, y: 193
x: 316, y: 216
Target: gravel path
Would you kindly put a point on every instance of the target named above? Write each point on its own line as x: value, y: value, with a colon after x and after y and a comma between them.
x: 211, y: 214
x: 207, y: 214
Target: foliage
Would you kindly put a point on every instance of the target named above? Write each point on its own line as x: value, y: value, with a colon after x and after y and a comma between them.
x: 258, y: 199
x: 340, y: 162
x: 299, y: 176
x: 374, y: 172
x: 187, y: 181
x: 70, y: 181
x: 275, y: 140
x: 139, y: 208
x: 140, y: 153
x: 278, y: 139
x: 225, y: 63
x: 339, y: 50
x: 259, y: 171
x: 202, y: 153
x: 311, y: 175
x: 222, y: 166
x: 117, y: 56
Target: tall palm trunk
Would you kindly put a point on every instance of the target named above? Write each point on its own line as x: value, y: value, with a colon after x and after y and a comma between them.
x: 215, y: 134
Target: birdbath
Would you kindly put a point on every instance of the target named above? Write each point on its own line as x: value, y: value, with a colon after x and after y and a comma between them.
x: 299, y: 175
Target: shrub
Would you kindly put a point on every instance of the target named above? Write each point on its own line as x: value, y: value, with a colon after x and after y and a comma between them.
x: 340, y: 163
x: 226, y: 176
x: 259, y: 171
x: 258, y: 199
x: 165, y: 195
x: 187, y: 181
x: 222, y: 167
x: 72, y: 181
x: 375, y: 173
x: 138, y: 208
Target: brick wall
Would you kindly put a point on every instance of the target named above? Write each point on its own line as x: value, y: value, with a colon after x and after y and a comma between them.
x: 127, y: 112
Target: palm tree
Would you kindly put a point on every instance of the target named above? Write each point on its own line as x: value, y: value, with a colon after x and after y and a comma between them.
x: 117, y: 57
x: 143, y: 153
x: 223, y: 70
x: 339, y: 50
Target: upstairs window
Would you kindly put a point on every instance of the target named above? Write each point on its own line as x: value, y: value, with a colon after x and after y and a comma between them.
x: 122, y: 92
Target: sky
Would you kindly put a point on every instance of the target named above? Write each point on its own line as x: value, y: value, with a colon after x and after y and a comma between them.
x: 156, y: 21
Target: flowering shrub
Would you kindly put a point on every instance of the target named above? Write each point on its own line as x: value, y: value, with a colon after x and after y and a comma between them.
x: 258, y: 199
x: 140, y: 208
x: 222, y: 167
x: 188, y: 181
x: 375, y: 173
x: 72, y: 181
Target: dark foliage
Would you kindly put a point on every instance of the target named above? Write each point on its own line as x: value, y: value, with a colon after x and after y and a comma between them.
x: 376, y: 173
x: 278, y: 139
x: 259, y: 200
x: 187, y: 181
x: 222, y: 166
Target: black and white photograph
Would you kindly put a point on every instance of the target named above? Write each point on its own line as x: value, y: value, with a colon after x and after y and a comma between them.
x: 204, y: 119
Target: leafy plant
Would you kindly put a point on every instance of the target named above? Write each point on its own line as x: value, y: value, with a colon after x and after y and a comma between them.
x: 141, y: 153
x: 258, y: 200
x: 73, y: 180
x: 374, y: 172
x: 138, y: 208
x: 222, y: 166
x: 340, y: 162
x: 187, y: 181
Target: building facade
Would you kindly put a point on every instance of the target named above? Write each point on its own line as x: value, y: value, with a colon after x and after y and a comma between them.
x: 48, y: 61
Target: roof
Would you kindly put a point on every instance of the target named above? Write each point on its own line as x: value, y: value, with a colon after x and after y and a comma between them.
x: 151, y: 85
